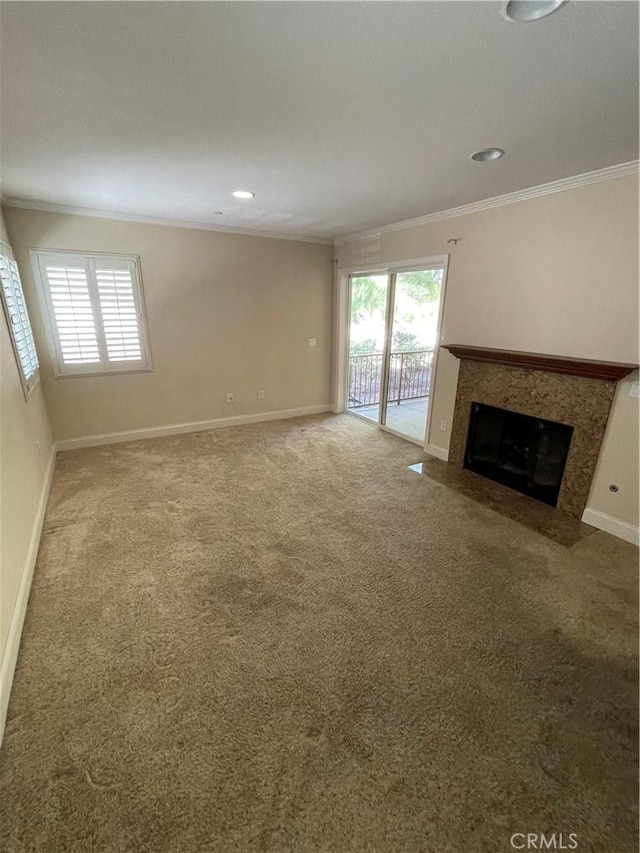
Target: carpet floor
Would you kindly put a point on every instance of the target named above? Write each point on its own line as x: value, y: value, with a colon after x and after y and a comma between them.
x: 277, y: 638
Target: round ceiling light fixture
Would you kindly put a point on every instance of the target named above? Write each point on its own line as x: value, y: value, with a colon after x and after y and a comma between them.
x: 487, y: 154
x: 523, y: 11
x: 243, y: 194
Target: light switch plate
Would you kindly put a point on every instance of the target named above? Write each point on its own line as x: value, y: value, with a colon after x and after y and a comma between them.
x: 313, y: 342
x: 634, y: 391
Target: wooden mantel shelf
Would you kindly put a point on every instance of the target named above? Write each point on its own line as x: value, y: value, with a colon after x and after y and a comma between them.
x: 609, y: 371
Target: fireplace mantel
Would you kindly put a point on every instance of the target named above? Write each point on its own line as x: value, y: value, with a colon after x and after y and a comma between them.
x: 608, y: 371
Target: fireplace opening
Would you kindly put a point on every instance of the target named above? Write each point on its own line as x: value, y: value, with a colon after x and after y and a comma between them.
x: 528, y: 454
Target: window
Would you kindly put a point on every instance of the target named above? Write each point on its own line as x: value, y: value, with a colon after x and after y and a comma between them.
x: 15, y: 310
x: 95, y: 310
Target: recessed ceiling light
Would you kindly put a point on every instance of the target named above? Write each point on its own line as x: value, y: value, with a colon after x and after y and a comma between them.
x: 243, y: 194
x: 523, y: 11
x: 487, y: 154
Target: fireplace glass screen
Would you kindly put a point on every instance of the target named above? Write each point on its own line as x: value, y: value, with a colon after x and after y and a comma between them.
x: 528, y: 454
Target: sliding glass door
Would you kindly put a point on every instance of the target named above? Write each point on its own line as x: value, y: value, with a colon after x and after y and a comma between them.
x: 367, y: 344
x: 414, y: 327
x: 394, y: 328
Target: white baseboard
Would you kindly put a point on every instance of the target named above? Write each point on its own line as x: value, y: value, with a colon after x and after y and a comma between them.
x: 194, y: 426
x: 612, y: 525
x: 10, y: 656
x: 438, y: 452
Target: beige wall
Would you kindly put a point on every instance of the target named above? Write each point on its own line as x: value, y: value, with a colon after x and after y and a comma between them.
x: 555, y: 274
x: 226, y: 313
x: 25, y: 451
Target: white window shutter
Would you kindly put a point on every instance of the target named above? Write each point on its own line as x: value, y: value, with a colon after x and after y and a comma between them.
x: 68, y: 289
x: 95, y: 308
x: 120, y: 316
x: 18, y: 322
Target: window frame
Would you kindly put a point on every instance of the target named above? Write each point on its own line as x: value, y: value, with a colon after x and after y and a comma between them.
x: 28, y: 385
x: 89, y: 259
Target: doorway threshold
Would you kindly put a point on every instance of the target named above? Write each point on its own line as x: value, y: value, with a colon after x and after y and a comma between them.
x: 377, y: 425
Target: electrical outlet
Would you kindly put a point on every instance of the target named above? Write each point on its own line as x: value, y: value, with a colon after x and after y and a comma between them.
x: 634, y: 391
x: 313, y: 342
x: 230, y: 398
x: 261, y: 395
x: 443, y: 424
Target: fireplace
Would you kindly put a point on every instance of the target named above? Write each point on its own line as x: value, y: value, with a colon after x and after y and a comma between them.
x: 526, y: 453
x: 547, y: 415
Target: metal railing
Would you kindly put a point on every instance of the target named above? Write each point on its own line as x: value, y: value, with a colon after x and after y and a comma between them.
x: 409, y: 377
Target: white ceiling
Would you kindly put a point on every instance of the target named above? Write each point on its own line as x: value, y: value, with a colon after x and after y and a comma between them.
x: 339, y: 116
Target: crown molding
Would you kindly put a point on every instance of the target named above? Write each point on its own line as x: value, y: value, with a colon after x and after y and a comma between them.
x: 607, y: 174
x: 155, y: 220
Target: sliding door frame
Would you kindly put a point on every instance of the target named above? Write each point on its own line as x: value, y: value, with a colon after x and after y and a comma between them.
x: 342, y: 319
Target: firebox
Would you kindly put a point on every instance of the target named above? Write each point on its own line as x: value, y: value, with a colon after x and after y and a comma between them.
x: 526, y: 453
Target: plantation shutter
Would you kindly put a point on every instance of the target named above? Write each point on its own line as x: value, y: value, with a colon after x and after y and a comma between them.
x: 68, y: 287
x: 18, y: 322
x: 95, y: 307
x: 120, y: 316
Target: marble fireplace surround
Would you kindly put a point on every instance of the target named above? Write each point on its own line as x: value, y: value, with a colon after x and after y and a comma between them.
x: 571, y: 391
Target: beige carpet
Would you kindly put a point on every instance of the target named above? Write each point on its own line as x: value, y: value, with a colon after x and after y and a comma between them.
x: 277, y: 638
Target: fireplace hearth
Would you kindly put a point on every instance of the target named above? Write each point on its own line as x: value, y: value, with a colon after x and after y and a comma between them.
x: 525, y: 453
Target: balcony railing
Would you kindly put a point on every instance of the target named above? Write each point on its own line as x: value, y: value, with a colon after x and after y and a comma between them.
x: 409, y: 377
